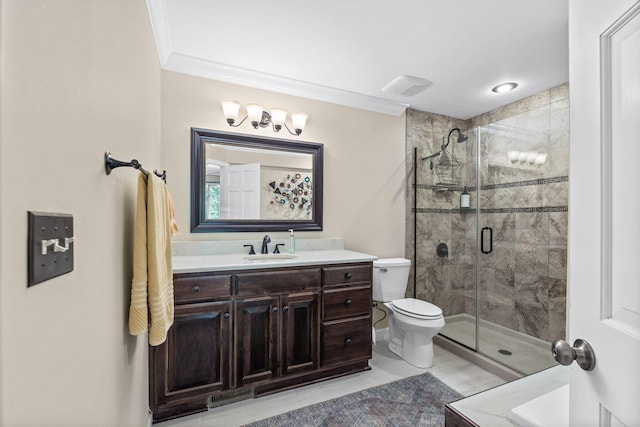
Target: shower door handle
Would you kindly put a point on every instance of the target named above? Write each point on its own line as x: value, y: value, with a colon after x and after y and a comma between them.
x: 482, y: 249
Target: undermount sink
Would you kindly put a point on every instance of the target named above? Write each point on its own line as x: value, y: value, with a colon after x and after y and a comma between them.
x: 269, y: 257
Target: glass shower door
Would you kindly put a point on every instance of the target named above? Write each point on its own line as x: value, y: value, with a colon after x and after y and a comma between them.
x: 459, y: 302
x: 518, y: 214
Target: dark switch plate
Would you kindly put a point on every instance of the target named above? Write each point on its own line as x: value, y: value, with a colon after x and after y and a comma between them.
x: 45, y: 226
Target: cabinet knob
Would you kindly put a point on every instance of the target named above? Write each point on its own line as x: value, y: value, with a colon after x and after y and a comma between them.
x: 274, y: 309
x: 347, y: 341
x: 348, y: 302
x: 347, y: 275
x: 285, y: 308
x: 226, y: 315
x: 195, y: 289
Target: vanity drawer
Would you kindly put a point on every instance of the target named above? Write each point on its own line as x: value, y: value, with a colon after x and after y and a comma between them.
x: 342, y: 275
x: 346, y: 341
x: 276, y: 282
x: 204, y: 287
x: 346, y: 302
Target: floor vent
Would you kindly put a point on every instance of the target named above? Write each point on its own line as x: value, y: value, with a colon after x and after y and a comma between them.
x: 225, y: 399
x: 505, y: 352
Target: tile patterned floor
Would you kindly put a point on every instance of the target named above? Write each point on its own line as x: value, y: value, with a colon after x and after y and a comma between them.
x: 459, y: 374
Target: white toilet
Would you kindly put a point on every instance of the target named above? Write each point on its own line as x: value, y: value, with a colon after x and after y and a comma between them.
x: 412, y: 323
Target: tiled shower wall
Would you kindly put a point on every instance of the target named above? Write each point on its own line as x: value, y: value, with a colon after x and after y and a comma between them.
x: 522, y: 283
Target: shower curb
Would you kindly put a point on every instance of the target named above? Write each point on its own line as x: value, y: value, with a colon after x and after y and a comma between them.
x: 484, y: 362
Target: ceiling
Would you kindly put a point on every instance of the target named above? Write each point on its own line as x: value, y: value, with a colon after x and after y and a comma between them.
x: 347, y: 51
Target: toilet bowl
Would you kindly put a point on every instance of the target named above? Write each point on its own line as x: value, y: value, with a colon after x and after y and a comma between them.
x: 412, y: 323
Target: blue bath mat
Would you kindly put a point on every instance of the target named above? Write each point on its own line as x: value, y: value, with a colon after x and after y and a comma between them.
x: 409, y: 402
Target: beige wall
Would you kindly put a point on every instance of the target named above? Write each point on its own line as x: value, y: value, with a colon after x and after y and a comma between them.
x: 78, y: 77
x: 364, y: 173
x: 82, y: 77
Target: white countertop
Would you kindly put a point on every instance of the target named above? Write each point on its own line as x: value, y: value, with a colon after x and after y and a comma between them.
x: 200, y: 263
x: 493, y: 407
x: 193, y: 257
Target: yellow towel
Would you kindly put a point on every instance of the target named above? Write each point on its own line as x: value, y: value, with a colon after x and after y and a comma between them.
x: 152, y: 284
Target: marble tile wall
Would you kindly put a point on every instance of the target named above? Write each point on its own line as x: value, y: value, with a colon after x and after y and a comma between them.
x: 522, y: 282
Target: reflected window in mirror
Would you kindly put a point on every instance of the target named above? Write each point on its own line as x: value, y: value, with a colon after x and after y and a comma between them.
x: 249, y: 183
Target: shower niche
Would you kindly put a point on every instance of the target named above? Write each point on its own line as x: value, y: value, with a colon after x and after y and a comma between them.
x: 502, y: 285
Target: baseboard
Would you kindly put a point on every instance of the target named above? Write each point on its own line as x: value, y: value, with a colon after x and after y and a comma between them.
x: 150, y: 419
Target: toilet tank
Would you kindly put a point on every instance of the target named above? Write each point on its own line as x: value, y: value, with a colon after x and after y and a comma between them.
x: 390, y: 277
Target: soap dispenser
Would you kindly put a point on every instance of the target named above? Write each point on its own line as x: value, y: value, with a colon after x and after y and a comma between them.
x: 464, y: 199
x: 292, y: 242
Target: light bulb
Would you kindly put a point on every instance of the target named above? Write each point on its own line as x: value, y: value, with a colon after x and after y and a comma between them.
x: 278, y: 116
x: 522, y: 156
x: 541, y: 158
x: 230, y: 109
x: 254, y: 111
x: 513, y: 156
x: 299, y: 120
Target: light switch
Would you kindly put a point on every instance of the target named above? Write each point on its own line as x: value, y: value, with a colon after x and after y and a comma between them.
x: 50, y: 246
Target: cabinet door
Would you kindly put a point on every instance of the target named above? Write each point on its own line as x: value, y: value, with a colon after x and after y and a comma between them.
x: 256, y: 333
x: 300, y: 332
x: 195, y: 359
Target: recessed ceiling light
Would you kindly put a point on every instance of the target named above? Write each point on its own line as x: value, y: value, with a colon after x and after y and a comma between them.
x: 504, y: 87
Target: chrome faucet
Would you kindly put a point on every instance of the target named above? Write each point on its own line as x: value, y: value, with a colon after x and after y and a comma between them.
x: 266, y: 240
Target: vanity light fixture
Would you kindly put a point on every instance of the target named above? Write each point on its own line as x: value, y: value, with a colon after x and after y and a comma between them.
x: 259, y: 117
x: 527, y: 157
x: 504, y: 87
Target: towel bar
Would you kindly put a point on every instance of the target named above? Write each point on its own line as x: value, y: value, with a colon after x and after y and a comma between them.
x: 110, y: 163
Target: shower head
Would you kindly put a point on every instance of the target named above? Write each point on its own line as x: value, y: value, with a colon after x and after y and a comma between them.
x: 461, y: 136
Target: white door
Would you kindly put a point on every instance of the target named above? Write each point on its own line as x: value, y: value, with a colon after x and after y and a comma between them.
x: 240, y: 191
x: 604, y: 209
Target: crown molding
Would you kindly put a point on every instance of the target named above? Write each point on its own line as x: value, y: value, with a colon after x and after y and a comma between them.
x: 241, y: 76
x: 175, y: 61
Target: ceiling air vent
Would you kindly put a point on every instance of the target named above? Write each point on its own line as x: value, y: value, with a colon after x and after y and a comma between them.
x: 407, y: 85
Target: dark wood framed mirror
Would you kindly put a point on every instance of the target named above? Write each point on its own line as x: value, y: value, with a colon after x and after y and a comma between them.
x: 252, y: 183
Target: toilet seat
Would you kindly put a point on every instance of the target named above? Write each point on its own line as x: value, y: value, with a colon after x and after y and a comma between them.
x: 416, y: 308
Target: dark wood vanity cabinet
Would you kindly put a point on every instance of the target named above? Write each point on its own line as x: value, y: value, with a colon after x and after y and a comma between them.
x: 256, y: 332
x: 276, y: 336
x: 253, y: 332
x: 300, y: 332
x: 277, y: 323
x: 195, y: 360
x: 346, y: 314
